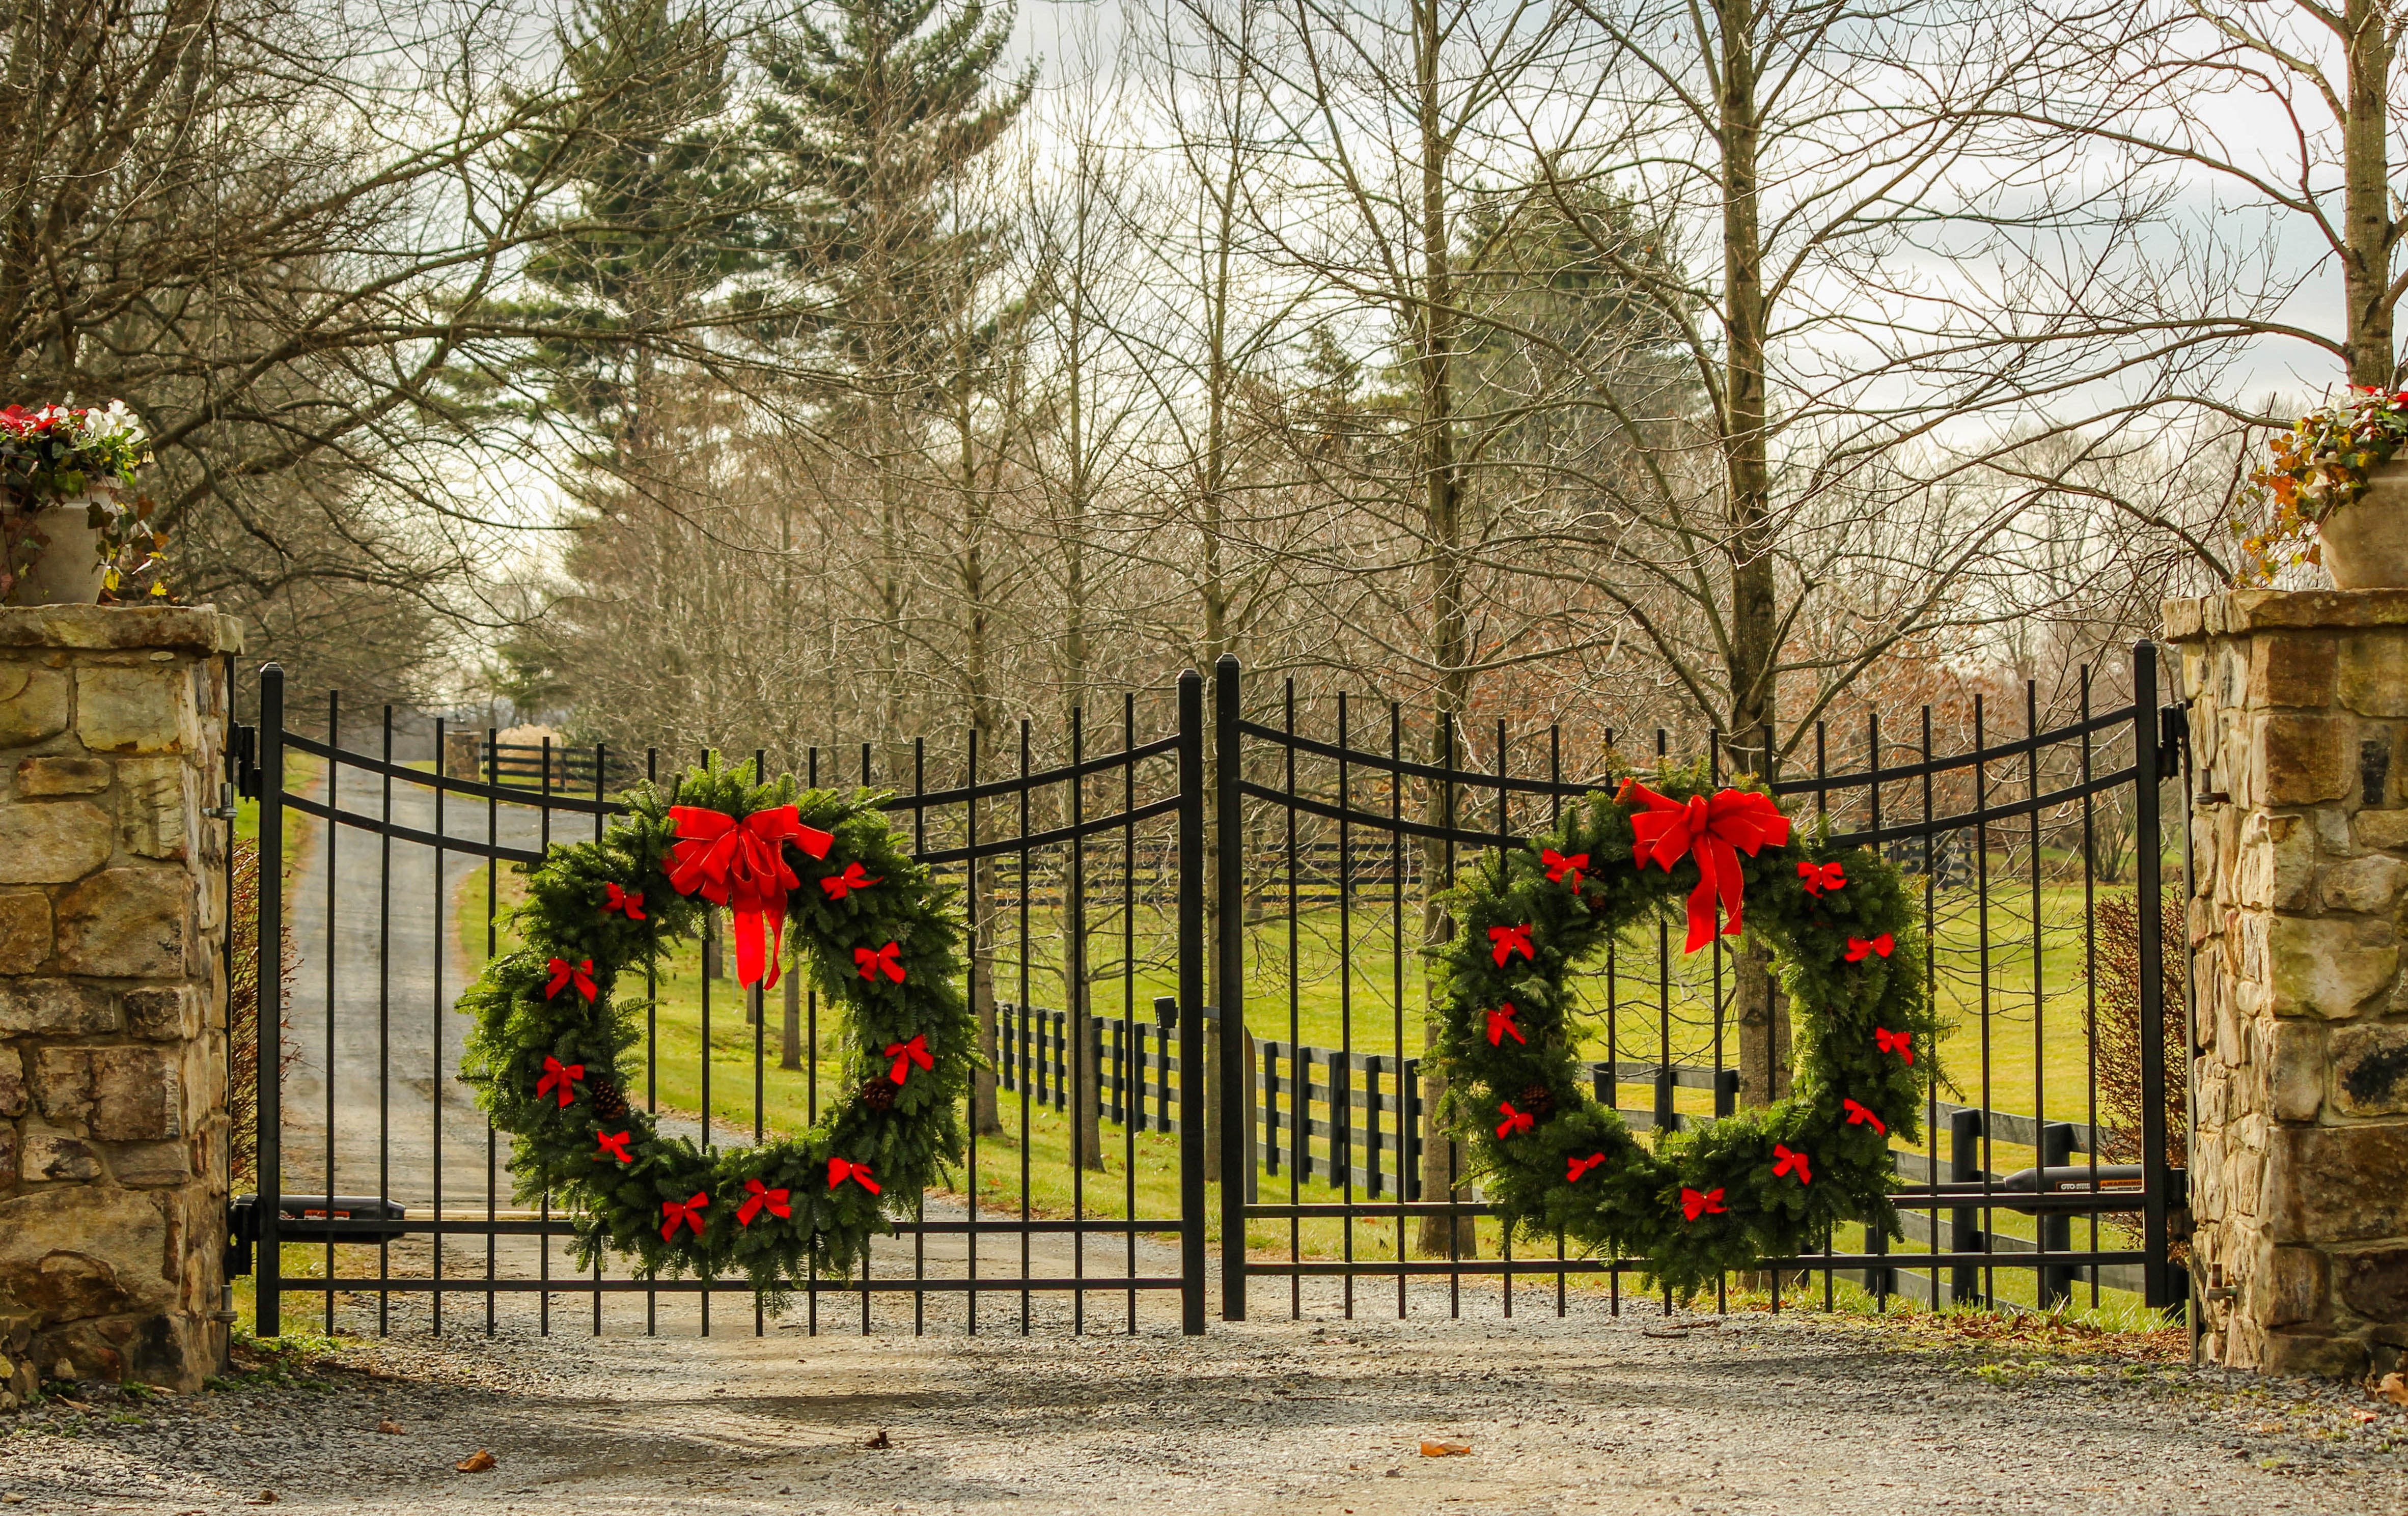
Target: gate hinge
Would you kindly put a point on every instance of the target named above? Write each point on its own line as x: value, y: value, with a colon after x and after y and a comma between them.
x: 2173, y: 740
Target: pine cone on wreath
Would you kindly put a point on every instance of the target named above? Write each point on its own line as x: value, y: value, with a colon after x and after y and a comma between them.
x: 879, y: 1094
x: 609, y: 1101
x: 1539, y: 1101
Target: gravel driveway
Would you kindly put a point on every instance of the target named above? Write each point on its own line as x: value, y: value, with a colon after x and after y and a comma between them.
x: 1794, y: 1415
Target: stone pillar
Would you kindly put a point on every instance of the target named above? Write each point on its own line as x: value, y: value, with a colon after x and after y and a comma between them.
x: 2299, y: 722
x: 112, y: 989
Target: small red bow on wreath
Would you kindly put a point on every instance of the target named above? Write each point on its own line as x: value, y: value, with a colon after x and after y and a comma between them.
x: 1859, y: 948
x: 854, y: 878
x: 870, y: 963
x: 684, y: 1214
x: 841, y: 1170
x: 565, y: 973
x: 1559, y: 867
x: 1500, y: 1021
x: 763, y: 1198
x: 628, y: 903
x: 1859, y: 1115
x: 1576, y: 1166
x: 907, y: 1053
x: 1696, y: 1203
x: 1715, y: 831
x: 559, y: 1076
x: 742, y: 865
x: 1505, y: 941
x: 613, y: 1145
x: 1516, y: 1121
x: 1899, y: 1043
x: 1822, y: 878
x: 1788, y: 1161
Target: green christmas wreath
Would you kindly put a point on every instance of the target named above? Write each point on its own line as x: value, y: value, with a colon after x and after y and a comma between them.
x: 1767, y: 1182
x: 819, y: 869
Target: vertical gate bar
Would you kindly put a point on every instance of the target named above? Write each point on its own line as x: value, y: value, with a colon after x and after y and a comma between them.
x: 919, y: 1202
x: 543, y: 1242
x: 1876, y: 1239
x: 601, y: 795
x: 977, y: 925
x: 1191, y: 997
x: 267, y: 1272
x: 652, y: 1048
x: 864, y: 1246
x: 2090, y: 972
x: 492, y: 932
x: 1504, y: 840
x: 2055, y: 1232
x: 1127, y: 1031
x: 1026, y: 1094
x: 334, y: 805
x: 1931, y: 995
x: 1236, y: 1121
x: 1965, y: 1225
x: 1342, y: 1107
x: 1409, y: 1173
x: 1555, y: 820
x: 1982, y: 939
x: 1447, y: 818
x: 1079, y: 1068
x: 435, y: 1020
x: 2040, y: 1008
x: 2156, y: 1285
x: 1299, y: 1098
x: 231, y: 794
x: 384, y: 1025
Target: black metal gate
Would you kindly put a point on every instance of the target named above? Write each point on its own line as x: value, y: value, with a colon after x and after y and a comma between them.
x: 1084, y: 865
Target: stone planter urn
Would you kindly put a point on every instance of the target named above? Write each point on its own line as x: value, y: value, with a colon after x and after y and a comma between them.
x: 2365, y: 543
x: 68, y: 572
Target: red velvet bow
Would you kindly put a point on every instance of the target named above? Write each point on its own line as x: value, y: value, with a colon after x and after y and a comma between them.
x: 1500, y: 1021
x: 559, y: 1076
x: 742, y: 865
x: 841, y: 1170
x: 1558, y: 867
x: 628, y: 903
x: 1788, y: 1161
x: 870, y: 963
x: 613, y: 1145
x: 565, y: 973
x: 1859, y: 1115
x: 684, y: 1214
x: 1574, y: 1167
x: 907, y: 1053
x: 1899, y: 1043
x: 1822, y: 878
x: 1696, y: 1203
x: 1859, y: 950
x: 1516, y: 1121
x: 762, y: 1197
x: 1505, y: 941
x: 1715, y: 830
x: 854, y: 878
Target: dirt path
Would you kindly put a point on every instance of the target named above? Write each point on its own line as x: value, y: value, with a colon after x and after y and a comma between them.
x: 1794, y: 1415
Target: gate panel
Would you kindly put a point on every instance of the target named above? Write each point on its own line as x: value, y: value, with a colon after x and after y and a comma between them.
x: 2038, y: 855
x: 387, y: 1190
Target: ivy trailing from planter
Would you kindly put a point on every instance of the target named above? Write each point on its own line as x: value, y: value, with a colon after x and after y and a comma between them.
x: 813, y: 869
x: 1768, y: 1182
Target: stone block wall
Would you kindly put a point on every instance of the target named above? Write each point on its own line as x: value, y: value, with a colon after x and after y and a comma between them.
x: 2299, y: 719
x: 112, y: 991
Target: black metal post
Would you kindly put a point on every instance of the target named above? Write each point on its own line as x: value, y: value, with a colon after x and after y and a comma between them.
x: 1191, y: 993
x: 2055, y: 1232
x: 1964, y: 1222
x: 2146, y: 778
x: 268, y: 1273
x: 1236, y: 1121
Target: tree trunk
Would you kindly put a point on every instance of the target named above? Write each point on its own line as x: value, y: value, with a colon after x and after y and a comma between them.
x: 2366, y: 263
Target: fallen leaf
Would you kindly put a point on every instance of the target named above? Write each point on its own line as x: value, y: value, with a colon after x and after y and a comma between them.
x: 2393, y: 1389
x: 476, y: 1462
x: 879, y: 1439
x: 2262, y: 1427
x: 1445, y: 1449
x: 266, y: 1497
x: 393, y: 1429
x: 2361, y: 1417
